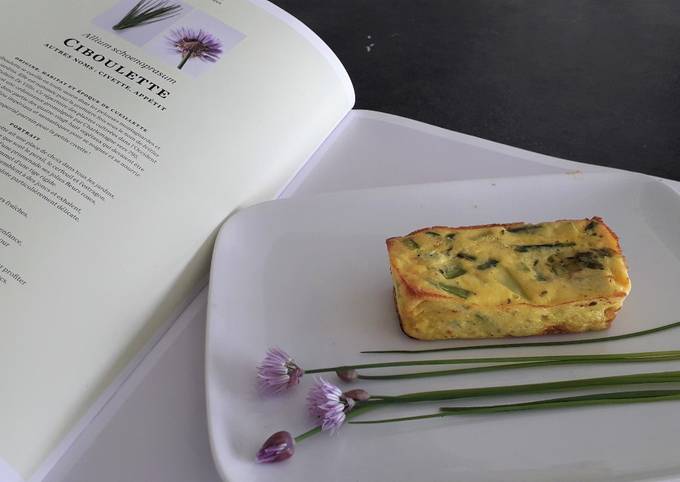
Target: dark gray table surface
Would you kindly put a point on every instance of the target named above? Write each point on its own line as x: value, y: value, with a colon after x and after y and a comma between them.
x: 592, y: 81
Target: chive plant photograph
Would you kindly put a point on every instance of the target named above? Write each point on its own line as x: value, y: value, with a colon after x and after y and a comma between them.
x: 194, y: 44
x: 146, y: 12
x: 139, y: 21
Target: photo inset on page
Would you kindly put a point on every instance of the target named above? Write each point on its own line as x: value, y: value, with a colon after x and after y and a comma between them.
x: 195, y: 43
x: 138, y: 21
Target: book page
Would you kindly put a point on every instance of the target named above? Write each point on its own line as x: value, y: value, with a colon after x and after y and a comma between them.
x: 129, y: 130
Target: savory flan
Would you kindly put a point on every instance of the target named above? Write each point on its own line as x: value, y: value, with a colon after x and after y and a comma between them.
x: 502, y: 280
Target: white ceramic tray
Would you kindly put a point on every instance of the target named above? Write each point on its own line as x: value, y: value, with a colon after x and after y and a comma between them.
x: 311, y: 275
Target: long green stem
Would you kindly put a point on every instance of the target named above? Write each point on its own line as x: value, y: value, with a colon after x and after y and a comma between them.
x: 641, y: 396
x: 602, y: 358
x: 540, y: 343
x: 638, y: 378
x: 583, y: 400
x: 401, y: 419
x: 307, y: 434
x: 455, y: 371
x: 615, y: 398
x: 464, y: 371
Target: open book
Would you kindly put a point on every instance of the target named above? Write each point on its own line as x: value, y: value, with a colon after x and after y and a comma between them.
x: 128, y: 132
x: 127, y: 135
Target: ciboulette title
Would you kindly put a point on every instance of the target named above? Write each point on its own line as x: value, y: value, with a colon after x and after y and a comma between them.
x: 116, y: 67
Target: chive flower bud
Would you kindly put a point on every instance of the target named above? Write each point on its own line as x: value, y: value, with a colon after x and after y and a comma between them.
x: 357, y: 395
x: 347, y: 374
x: 278, y: 447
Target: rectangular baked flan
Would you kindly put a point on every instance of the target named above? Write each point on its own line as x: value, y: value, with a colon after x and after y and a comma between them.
x: 502, y: 280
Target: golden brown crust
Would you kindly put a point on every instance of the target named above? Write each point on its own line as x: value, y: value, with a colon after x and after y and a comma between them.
x: 401, y: 322
x: 556, y: 330
x: 610, y: 314
x: 462, y: 228
x: 611, y: 232
x: 503, y: 225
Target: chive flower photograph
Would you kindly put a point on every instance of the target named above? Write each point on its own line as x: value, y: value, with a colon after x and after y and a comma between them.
x: 194, y: 44
x: 139, y: 21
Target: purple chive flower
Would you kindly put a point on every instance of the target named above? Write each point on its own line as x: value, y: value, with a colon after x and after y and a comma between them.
x: 278, y: 447
x: 278, y: 371
x: 326, y: 402
x: 191, y: 44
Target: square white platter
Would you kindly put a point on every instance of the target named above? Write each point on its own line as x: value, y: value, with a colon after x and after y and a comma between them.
x: 311, y: 275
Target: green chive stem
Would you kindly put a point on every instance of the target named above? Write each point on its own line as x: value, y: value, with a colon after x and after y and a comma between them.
x: 401, y: 419
x: 307, y: 434
x: 598, y: 358
x: 489, y: 368
x: 616, y: 398
x: 582, y: 400
x: 637, y: 378
x: 539, y: 343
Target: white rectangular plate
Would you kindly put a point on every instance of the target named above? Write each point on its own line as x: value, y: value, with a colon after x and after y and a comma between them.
x: 311, y: 275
